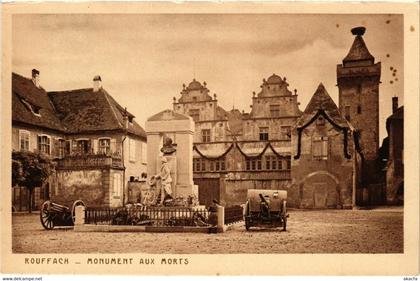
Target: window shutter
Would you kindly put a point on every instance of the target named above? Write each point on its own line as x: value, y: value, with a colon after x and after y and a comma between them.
x: 39, y: 143
x: 316, y: 147
x: 74, y: 146
x: 325, y: 147
x: 55, y: 147
x: 113, y: 146
x: 95, y: 146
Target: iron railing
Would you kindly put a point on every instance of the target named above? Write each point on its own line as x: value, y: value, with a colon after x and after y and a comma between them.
x: 152, y: 216
x: 233, y: 214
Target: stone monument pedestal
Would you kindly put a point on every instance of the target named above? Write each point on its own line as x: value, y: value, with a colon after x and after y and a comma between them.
x: 180, y: 128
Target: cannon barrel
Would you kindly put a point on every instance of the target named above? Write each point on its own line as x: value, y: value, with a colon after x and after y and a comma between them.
x: 262, y: 198
x: 274, y: 197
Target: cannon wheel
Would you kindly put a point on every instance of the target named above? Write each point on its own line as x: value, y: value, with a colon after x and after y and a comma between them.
x: 47, y: 220
x: 73, y: 209
x: 246, y: 214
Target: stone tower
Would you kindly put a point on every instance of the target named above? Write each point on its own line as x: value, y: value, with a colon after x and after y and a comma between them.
x: 358, y: 81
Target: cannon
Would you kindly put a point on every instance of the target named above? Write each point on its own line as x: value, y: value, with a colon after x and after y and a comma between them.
x: 53, y: 214
x: 266, y: 208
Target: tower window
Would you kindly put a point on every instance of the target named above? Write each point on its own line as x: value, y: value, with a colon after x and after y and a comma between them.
x: 359, y: 109
x: 347, y: 112
x: 264, y: 133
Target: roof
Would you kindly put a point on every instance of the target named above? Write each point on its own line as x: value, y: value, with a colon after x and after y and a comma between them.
x: 25, y: 95
x: 235, y: 122
x: 321, y: 100
x: 358, y: 51
x: 84, y: 110
x: 168, y: 115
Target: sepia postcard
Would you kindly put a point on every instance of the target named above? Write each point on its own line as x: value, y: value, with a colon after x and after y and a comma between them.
x: 210, y: 138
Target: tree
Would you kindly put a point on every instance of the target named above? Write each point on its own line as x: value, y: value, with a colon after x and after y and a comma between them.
x: 30, y: 169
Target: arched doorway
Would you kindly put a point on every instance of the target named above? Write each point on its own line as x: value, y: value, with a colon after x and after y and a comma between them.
x: 319, y: 190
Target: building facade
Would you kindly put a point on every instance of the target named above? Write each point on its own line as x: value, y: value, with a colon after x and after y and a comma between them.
x: 96, y: 144
x: 235, y: 150
x: 395, y: 155
x: 328, y: 163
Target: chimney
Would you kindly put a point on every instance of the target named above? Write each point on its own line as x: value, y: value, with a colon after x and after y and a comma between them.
x: 97, y: 83
x: 35, y: 77
x: 394, y: 104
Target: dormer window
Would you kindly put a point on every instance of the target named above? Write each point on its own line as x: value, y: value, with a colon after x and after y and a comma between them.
x: 130, y: 119
x: 32, y: 108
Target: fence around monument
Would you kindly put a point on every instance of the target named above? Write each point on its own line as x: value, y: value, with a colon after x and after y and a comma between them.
x: 152, y: 216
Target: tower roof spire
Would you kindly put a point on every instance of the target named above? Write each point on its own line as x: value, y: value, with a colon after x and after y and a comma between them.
x: 358, y: 51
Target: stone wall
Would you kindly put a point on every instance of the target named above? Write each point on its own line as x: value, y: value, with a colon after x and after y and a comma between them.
x: 360, y: 94
x: 323, y: 183
x: 234, y: 192
x: 91, y: 186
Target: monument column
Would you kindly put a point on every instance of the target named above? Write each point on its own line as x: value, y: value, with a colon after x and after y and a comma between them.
x: 181, y: 128
x: 154, y: 143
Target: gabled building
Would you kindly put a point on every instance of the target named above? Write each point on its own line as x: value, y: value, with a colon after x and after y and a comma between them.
x: 96, y: 143
x: 323, y: 166
x: 234, y: 150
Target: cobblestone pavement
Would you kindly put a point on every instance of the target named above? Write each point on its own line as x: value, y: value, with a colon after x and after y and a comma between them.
x: 326, y: 231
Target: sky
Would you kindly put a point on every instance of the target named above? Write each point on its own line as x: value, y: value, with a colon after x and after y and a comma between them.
x: 144, y: 59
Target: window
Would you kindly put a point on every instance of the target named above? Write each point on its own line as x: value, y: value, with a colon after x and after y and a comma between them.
x: 264, y: 133
x: 217, y: 165
x: 24, y: 139
x: 194, y: 99
x: 272, y: 162
x: 286, y: 132
x: 347, y: 112
x: 44, y: 144
x: 199, y: 165
x: 359, y: 109
x: 253, y: 164
x: 320, y: 147
x: 67, y: 149
x: 83, y: 146
x: 205, y: 135
x: 275, y: 110
x: 117, y: 185
x: 143, y: 152
x: 132, y: 150
x: 61, y: 148
x: 104, y: 146
x: 195, y: 114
